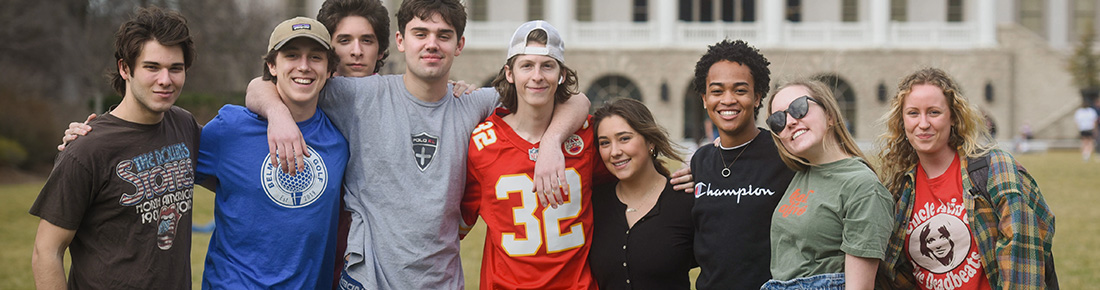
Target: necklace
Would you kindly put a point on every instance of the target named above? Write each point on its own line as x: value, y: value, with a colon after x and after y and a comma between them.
x: 726, y: 168
x: 642, y: 201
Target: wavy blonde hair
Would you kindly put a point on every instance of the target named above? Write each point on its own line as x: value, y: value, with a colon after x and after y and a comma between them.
x: 968, y: 128
x: 824, y: 96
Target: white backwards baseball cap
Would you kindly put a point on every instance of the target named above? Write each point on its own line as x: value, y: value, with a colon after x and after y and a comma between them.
x: 555, y: 48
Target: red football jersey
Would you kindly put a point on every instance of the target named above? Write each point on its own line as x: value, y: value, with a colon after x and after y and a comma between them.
x: 529, y: 246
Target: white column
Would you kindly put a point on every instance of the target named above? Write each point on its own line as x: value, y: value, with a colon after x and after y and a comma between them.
x: 987, y: 23
x: 666, y: 21
x: 1058, y: 23
x: 880, y: 22
x: 562, y: 15
x: 773, y: 18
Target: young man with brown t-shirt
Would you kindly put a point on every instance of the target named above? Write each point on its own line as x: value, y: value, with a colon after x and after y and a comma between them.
x: 120, y: 199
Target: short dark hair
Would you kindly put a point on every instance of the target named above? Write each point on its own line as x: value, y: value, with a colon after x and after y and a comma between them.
x: 452, y: 12
x: 270, y: 59
x: 509, y: 98
x: 734, y: 51
x: 332, y: 11
x: 169, y: 28
x: 638, y: 116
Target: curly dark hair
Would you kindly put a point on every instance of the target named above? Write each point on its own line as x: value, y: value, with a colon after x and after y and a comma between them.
x: 332, y: 11
x: 735, y: 51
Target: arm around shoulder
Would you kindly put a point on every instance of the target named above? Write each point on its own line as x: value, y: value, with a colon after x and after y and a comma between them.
x: 550, y: 166
x: 285, y: 142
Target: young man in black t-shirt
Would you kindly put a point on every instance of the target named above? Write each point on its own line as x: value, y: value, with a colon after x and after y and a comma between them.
x: 120, y: 199
x: 739, y: 183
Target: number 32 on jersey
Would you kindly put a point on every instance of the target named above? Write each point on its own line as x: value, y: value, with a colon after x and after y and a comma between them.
x: 547, y: 229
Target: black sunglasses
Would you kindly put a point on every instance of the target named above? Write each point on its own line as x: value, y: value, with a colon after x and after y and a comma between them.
x: 798, y: 108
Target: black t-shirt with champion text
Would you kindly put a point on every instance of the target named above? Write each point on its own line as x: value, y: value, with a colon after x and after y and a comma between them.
x: 733, y: 214
x: 126, y: 189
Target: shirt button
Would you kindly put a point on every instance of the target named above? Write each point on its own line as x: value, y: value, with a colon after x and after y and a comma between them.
x: 627, y: 281
x: 628, y: 232
x: 624, y: 247
x: 624, y: 264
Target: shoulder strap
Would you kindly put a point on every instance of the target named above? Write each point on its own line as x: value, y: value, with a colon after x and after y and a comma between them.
x: 978, y: 169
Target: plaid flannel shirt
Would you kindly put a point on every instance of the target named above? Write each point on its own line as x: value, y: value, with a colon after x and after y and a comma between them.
x: 1013, y: 238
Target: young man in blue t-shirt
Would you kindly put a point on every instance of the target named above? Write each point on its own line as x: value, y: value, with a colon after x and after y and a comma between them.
x: 275, y: 229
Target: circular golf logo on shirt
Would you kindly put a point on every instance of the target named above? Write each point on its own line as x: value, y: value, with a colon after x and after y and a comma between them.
x: 297, y: 190
x: 940, y: 244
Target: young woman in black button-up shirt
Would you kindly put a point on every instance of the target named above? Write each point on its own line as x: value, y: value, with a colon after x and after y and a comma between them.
x: 643, y: 230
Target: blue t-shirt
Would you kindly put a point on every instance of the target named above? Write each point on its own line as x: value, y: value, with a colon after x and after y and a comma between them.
x: 274, y: 230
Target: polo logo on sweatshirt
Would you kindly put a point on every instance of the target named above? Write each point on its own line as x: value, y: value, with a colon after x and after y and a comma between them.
x: 424, y: 148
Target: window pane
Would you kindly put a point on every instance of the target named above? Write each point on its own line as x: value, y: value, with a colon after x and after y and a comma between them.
x: 954, y: 10
x: 534, y: 10
x: 685, y: 10
x: 849, y: 11
x: 480, y: 10
x: 706, y: 11
x: 584, y: 10
x: 748, y: 10
x: 641, y: 11
x: 794, y: 10
x: 727, y: 11
x: 898, y: 11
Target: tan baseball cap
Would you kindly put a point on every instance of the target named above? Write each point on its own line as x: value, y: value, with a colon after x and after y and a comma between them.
x: 298, y: 27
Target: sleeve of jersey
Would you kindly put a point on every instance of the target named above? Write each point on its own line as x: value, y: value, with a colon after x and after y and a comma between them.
x: 471, y: 197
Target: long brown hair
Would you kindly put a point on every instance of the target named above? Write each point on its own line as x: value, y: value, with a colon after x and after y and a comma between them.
x: 967, y: 130
x: 641, y: 120
x: 824, y: 96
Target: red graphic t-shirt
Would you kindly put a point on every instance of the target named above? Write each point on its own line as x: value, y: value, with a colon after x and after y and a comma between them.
x: 938, y: 241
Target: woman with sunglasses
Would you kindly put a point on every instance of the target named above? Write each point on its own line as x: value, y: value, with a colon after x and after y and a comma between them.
x: 831, y: 227
x: 949, y: 233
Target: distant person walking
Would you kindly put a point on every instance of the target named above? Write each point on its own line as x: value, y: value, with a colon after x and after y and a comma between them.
x: 1085, y: 117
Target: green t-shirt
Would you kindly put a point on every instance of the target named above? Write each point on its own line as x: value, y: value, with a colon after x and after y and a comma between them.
x: 828, y: 211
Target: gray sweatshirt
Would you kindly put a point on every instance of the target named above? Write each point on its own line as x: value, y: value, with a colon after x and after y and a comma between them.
x: 404, y: 179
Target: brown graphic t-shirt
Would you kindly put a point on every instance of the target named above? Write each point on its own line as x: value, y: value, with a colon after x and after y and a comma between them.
x: 126, y: 189
x: 938, y: 240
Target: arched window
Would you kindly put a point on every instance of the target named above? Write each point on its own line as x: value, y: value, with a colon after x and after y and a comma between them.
x: 695, y: 118
x: 846, y: 100
x: 611, y: 87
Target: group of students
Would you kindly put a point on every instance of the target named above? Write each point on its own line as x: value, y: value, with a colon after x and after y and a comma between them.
x: 369, y: 181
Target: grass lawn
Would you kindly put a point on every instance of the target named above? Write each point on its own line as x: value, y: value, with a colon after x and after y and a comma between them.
x: 1072, y: 190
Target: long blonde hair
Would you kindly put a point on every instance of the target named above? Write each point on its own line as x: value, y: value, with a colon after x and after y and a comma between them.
x: 968, y: 128
x: 824, y: 96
